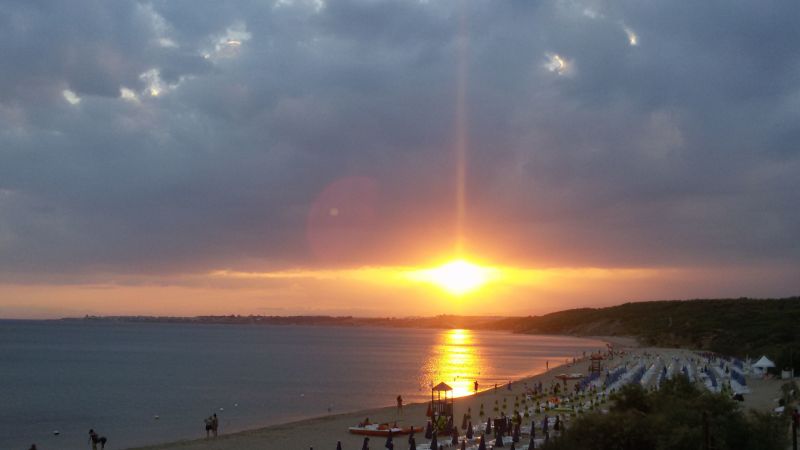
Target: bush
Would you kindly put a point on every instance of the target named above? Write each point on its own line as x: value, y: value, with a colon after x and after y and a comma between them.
x: 672, y: 419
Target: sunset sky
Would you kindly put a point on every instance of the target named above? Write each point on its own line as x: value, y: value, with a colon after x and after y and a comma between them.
x: 189, y: 157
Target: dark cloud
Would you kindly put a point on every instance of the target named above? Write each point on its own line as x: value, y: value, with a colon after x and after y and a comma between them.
x: 679, y: 151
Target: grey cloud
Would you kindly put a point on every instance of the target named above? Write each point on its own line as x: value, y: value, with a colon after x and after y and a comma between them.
x: 674, y: 152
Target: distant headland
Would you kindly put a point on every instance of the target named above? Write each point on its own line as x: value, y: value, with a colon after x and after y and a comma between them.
x: 742, y: 327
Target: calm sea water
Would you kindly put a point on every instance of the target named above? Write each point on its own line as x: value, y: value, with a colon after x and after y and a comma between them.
x: 116, y: 377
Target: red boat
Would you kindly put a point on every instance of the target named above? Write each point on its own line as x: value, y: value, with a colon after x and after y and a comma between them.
x: 383, y: 430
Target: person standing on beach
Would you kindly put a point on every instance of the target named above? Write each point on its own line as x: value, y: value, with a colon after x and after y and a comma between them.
x: 400, y: 405
x: 207, y: 421
x: 214, y: 424
x: 476, y: 386
x: 94, y: 439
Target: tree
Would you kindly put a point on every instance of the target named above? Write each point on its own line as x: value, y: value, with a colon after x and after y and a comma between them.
x: 672, y: 419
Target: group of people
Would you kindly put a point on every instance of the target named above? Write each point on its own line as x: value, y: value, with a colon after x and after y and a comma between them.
x: 212, y: 425
x: 95, y: 439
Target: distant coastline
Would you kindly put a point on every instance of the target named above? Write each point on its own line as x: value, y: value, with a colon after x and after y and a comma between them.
x: 434, y: 322
x: 742, y: 327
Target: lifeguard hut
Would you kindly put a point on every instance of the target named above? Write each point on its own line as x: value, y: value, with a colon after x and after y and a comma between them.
x: 442, y: 404
x: 596, y: 363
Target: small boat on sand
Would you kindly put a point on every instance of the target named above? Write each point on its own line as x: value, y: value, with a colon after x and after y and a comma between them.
x: 383, y: 429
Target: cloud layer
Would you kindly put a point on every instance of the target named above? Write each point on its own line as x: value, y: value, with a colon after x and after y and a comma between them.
x: 191, y: 136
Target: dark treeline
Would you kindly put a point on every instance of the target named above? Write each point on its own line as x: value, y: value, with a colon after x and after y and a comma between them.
x: 678, y: 416
x: 739, y: 327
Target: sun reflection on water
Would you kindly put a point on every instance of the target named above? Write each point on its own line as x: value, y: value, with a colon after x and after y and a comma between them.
x: 455, y: 360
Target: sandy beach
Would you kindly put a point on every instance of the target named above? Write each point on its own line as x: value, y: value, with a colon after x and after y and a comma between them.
x: 324, y: 432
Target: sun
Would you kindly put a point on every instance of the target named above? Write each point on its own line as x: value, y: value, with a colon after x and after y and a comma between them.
x: 457, y: 277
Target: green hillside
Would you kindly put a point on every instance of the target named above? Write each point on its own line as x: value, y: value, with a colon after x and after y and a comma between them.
x: 738, y: 327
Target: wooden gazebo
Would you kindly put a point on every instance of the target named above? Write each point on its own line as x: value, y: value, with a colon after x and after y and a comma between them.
x: 442, y: 402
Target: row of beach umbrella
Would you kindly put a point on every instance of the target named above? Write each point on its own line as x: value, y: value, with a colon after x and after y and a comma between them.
x: 434, y: 444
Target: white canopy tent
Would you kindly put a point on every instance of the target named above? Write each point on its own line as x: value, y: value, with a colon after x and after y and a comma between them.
x: 760, y: 367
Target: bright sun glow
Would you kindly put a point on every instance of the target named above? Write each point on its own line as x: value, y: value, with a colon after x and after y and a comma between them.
x: 457, y: 277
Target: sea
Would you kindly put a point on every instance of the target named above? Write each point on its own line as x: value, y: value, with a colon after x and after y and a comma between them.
x: 148, y: 383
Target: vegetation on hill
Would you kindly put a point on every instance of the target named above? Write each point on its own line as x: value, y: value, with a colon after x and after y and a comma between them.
x: 678, y: 416
x: 741, y: 327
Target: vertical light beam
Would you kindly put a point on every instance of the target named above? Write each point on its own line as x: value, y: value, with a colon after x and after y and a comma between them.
x: 461, y: 129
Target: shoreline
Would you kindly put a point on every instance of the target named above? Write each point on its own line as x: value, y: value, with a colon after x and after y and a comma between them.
x: 321, y: 431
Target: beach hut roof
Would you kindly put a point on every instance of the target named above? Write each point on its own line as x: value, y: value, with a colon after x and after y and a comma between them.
x: 764, y: 362
x: 442, y: 387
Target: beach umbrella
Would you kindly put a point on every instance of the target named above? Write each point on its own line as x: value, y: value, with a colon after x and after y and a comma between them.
x: 464, y: 422
x: 469, y: 430
x: 454, y: 441
x: 498, y: 442
x: 338, y: 445
x: 428, y: 430
x: 531, y: 444
x: 482, y: 444
x: 365, y: 445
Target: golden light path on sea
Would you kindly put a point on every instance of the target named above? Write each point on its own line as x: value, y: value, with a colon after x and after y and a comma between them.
x: 454, y: 361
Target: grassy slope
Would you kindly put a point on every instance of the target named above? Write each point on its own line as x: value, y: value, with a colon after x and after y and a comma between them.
x: 736, y: 327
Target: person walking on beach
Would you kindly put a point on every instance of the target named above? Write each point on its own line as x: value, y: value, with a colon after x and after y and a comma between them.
x: 399, y: 404
x: 209, y: 427
x: 214, y: 424
x: 94, y: 439
x: 476, y: 386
